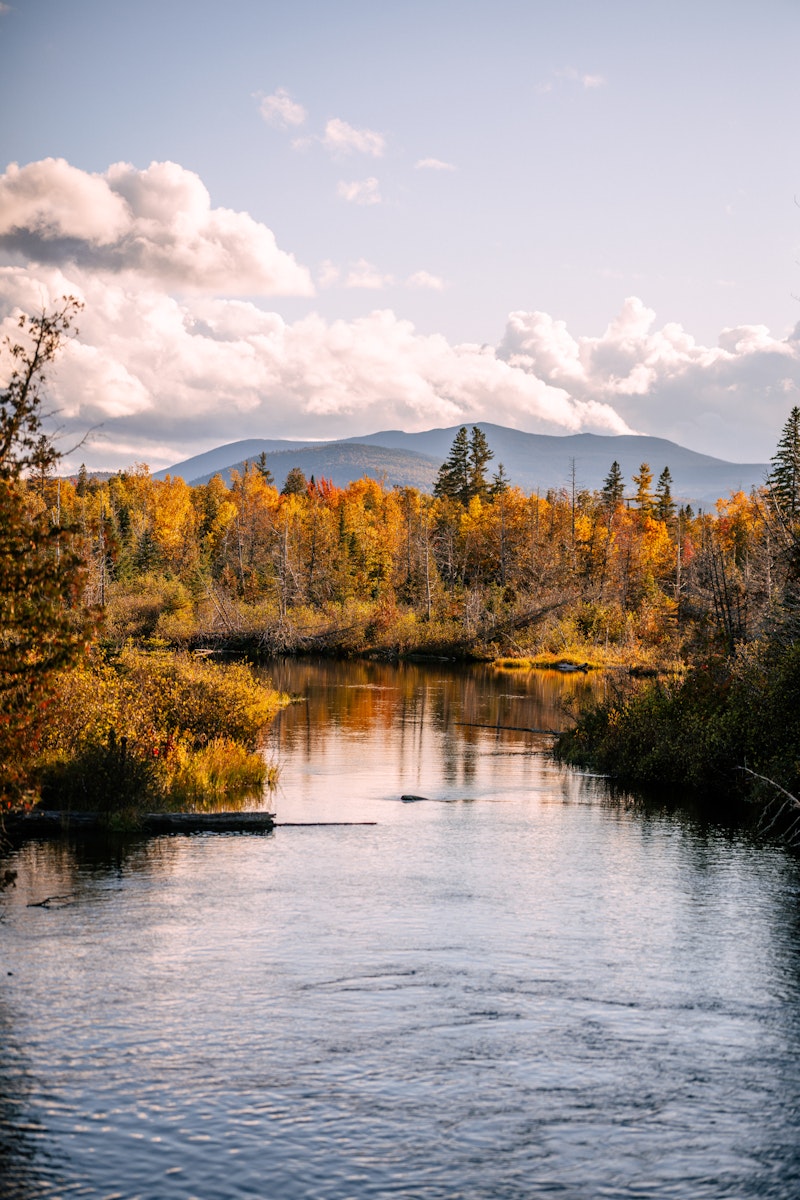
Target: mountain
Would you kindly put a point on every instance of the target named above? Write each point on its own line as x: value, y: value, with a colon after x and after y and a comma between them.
x: 224, y: 457
x: 531, y: 460
x: 342, y: 462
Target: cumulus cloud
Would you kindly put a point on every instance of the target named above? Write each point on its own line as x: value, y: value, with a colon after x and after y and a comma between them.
x: 157, y: 223
x: 433, y: 164
x: 341, y: 138
x: 424, y: 280
x: 281, y: 110
x: 360, y: 191
x: 153, y: 371
x: 662, y: 380
x: 166, y: 365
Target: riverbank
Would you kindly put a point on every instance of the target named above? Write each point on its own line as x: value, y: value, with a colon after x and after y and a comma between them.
x: 728, y: 728
x: 139, y: 731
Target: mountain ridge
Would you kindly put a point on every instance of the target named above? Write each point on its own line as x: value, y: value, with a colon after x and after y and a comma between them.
x: 533, y: 461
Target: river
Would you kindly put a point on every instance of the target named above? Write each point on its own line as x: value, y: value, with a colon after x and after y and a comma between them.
x: 519, y: 986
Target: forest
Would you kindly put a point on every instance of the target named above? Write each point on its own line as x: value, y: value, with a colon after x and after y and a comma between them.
x: 105, y: 575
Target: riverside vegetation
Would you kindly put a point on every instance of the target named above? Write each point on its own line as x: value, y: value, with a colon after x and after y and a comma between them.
x: 85, y: 723
x: 147, y: 572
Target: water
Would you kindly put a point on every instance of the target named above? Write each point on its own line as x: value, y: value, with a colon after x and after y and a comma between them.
x: 518, y: 987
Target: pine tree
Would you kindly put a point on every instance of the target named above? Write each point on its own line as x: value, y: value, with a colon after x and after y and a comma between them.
x: 613, y: 487
x: 479, y: 456
x: 500, y: 481
x: 453, y: 480
x: 463, y: 473
x: 665, y: 506
x: 296, y: 483
x: 264, y: 471
x: 783, y: 481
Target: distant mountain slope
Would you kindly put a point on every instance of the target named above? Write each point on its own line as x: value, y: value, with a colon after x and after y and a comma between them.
x: 223, y: 457
x: 531, y: 460
x: 538, y: 460
x: 342, y: 462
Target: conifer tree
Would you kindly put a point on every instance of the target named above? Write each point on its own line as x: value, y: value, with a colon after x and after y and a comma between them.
x: 264, y: 471
x: 783, y: 482
x: 665, y: 506
x: 453, y: 480
x: 479, y: 456
x: 296, y: 483
x: 613, y: 487
x: 500, y: 481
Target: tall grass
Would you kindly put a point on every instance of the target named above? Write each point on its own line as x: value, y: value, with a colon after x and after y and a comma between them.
x: 163, y: 728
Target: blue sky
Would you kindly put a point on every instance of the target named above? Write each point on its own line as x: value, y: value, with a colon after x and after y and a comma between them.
x: 559, y: 216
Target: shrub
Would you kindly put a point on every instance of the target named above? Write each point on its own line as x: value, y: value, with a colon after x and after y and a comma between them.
x: 155, y: 728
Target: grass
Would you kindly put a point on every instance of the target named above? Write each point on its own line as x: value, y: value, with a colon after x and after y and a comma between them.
x: 162, y: 729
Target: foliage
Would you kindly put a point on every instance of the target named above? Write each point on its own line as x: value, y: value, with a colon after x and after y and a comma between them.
x: 783, y: 483
x: 42, y: 625
x: 462, y: 476
x: 154, y: 728
x: 699, y: 730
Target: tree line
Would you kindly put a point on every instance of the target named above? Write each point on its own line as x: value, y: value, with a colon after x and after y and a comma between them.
x: 478, y: 566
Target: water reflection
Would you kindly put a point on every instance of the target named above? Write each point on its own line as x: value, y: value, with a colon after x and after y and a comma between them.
x: 521, y: 988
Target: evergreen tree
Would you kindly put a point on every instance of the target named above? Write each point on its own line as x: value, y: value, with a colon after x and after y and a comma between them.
x: 613, y: 487
x: 500, y: 481
x: 783, y: 481
x: 479, y: 456
x: 665, y: 505
x: 453, y: 480
x: 463, y: 473
x: 644, y: 488
x: 296, y: 483
x: 82, y: 484
x: 264, y: 471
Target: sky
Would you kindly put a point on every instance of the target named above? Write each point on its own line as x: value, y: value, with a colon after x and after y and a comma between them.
x: 315, y: 220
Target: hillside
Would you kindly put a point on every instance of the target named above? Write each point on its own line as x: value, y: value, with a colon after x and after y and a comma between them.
x: 342, y: 462
x: 531, y: 460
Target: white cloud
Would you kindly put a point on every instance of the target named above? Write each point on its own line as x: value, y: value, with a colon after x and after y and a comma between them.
x: 662, y: 381
x: 433, y: 164
x: 424, y: 280
x: 154, y: 371
x: 341, y: 138
x: 161, y: 360
x: 157, y: 223
x: 364, y: 275
x: 587, y: 81
x: 328, y: 274
x: 360, y: 191
x: 281, y: 110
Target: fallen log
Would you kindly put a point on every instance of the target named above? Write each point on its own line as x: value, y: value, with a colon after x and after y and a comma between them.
x: 52, y: 823
x: 512, y: 728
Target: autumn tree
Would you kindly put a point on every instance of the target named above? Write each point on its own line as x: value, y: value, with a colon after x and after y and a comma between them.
x: 644, y: 488
x: 40, y: 572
